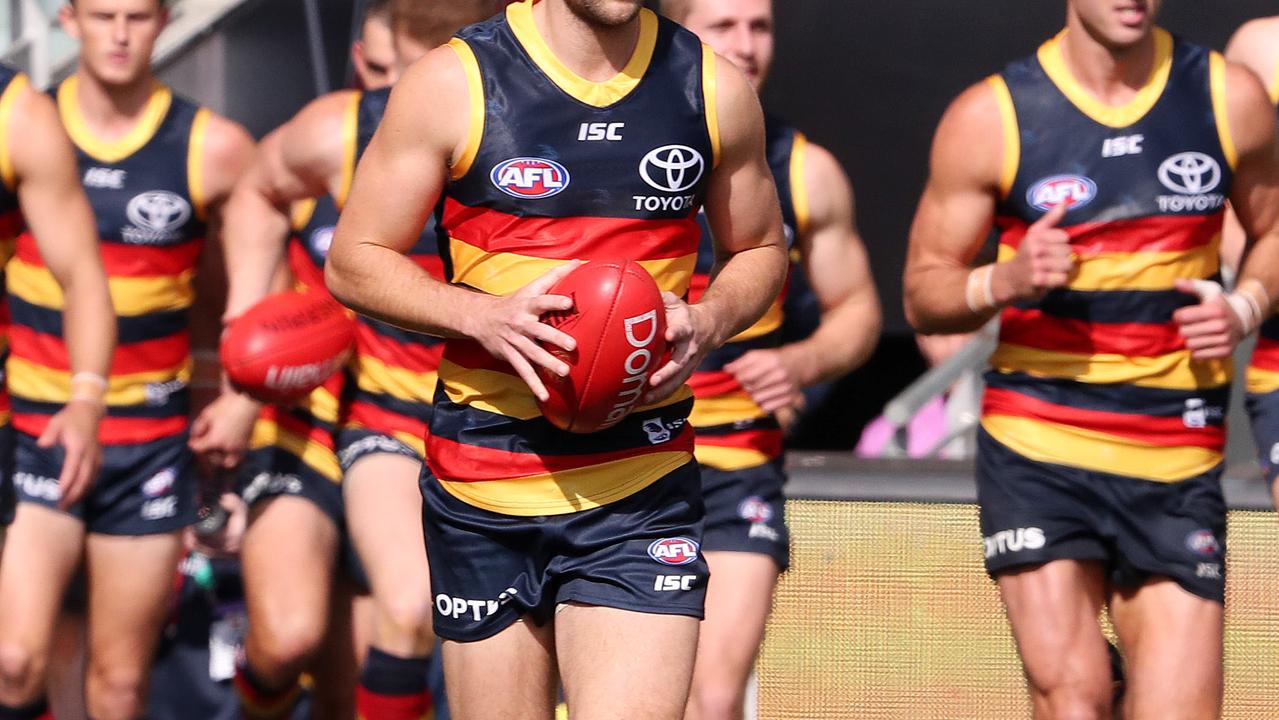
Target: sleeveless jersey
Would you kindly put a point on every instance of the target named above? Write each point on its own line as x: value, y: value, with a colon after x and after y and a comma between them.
x: 12, y: 84
x: 561, y: 168
x: 146, y: 192
x: 394, y: 370
x: 733, y: 432
x: 1096, y: 375
x: 1263, y: 370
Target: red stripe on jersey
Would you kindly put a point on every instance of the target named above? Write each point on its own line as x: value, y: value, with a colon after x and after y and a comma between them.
x: 567, y: 238
x: 1146, y: 429
x: 304, y: 270
x: 1266, y: 355
x: 472, y: 355
x: 1163, y: 233
x: 451, y: 460
x: 713, y: 383
x: 410, y: 356
x: 768, y: 442
x: 379, y: 419
x: 121, y: 260
x: 430, y: 262
x: 1036, y: 329
x: 51, y: 351
x: 112, y: 430
x: 315, y: 433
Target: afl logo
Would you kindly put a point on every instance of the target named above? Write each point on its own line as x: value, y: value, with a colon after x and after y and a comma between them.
x: 1075, y: 189
x: 672, y: 168
x: 673, y: 551
x: 1190, y: 173
x: 1203, y: 542
x: 158, y: 211
x: 754, y: 509
x: 530, y: 178
x: 322, y: 240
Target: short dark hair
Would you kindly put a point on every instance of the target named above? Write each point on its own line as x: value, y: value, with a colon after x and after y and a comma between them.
x: 163, y: 3
x: 380, y: 9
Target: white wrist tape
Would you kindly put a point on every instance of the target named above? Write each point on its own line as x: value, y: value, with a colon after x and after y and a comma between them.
x: 979, y: 292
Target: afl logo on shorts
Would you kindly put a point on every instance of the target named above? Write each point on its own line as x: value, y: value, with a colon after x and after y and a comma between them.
x: 754, y: 509
x: 530, y: 178
x: 1203, y: 542
x: 673, y: 551
x: 160, y: 483
x: 1074, y: 189
x: 672, y: 168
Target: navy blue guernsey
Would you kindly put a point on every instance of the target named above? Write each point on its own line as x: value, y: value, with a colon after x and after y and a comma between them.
x: 1096, y: 375
x: 733, y: 431
x: 558, y: 168
x: 1263, y: 370
x: 147, y: 196
x: 12, y: 84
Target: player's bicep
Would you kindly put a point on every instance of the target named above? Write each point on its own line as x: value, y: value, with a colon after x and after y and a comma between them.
x: 1254, y: 194
x: 833, y: 254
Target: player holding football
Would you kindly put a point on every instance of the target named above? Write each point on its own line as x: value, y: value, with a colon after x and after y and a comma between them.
x: 559, y: 130
x: 740, y: 386
x: 156, y: 169
x: 371, y: 444
x: 1105, y: 161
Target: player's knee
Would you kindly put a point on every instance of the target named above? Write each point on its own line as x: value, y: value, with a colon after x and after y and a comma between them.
x: 716, y: 700
x: 1078, y: 703
x: 20, y: 670
x: 408, y: 614
x: 285, y: 644
x: 115, y: 691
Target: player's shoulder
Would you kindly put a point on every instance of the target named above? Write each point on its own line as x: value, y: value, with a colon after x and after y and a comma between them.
x: 1256, y: 45
x: 225, y: 140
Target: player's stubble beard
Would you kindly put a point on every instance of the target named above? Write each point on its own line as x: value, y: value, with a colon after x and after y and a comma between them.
x: 604, y: 13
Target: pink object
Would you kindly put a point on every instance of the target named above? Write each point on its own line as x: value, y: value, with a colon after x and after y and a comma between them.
x: 924, y: 431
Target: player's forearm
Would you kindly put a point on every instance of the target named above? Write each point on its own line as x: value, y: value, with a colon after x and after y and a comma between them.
x: 842, y: 342
x: 254, y: 234
x: 939, y: 299
x: 743, y: 288
x: 89, y: 322
x: 1261, y: 265
x: 381, y: 283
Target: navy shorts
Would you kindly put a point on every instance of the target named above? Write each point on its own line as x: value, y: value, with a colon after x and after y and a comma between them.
x: 143, y: 488
x: 1263, y: 410
x: 1034, y: 512
x: 639, y: 553
x: 746, y: 511
x: 357, y: 443
x: 8, y: 498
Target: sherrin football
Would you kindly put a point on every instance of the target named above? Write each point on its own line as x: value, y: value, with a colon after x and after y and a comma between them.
x: 619, y: 324
x: 287, y: 345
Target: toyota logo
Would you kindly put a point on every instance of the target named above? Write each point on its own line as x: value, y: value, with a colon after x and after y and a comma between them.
x: 672, y: 168
x: 1190, y: 173
x: 158, y: 211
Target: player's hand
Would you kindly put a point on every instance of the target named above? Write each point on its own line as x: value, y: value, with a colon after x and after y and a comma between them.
x: 769, y: 377
x: 1044, y: 260
x: 689, y: 335
x: 1211, y: 328
x: 75, y: 428
x: 220, y: 434
x: 511, y: 328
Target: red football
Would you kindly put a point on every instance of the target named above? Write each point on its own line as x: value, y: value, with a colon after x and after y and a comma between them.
x: 619, y: 324
x: 287, y: 345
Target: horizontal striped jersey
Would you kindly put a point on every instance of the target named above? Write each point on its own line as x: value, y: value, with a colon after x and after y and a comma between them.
x: 558, y: 168
x: 1263, y: 370
x: 1096, y: 375
x: 733, y: 431
x: 146, y: 193
x: 12, y: 83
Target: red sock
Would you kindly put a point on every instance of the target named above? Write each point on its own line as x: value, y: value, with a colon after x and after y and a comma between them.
x: 259, y: 703
x: 393, y: 688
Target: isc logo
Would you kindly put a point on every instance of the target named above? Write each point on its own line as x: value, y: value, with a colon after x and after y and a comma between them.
x: 673, y: 551
x: 666, y: 583
x: 1075, y: 189
x: 530, y: 178
x: 600, y: 131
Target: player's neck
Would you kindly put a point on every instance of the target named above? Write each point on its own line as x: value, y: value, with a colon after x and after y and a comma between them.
x: 111, y: 111
x: 594, y: 53
x: 1111, y: 75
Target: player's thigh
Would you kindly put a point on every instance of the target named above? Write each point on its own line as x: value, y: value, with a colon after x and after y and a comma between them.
x: 1053, y: 610
x: 526, y: 654
x: 1172, y: 643
x: 130, y: 581
x: 42, y: 549
x: 738, y: 600
x: 384, y: 517
x: 621, y: 663
x: 288, y: 558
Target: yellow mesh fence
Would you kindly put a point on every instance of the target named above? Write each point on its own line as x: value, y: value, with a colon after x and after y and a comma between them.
x: 887, y: 614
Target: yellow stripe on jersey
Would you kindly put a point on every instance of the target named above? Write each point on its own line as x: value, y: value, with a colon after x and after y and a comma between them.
x: 112, y: 151
x: 1217, y: 81
x: 1115, y: 116
x: 570, y: 490
x: 725, y: 409
x: 322, y: 404
x: 1138, y: 270
x: 1273, y: 86
x: 1262, y: 381
x: 729, y: 459
x: 7, y: 101
x: 1068, y: 445
x: 300, y: 214
x: 710, y: 99
x: 598, y: 94
x: 374, y: 375
x: 503, y: 273
x: 266, y: 433
x: 131, y: 296
x: 1174, y: 371
x: 41, y: 384
x: 350, y: 147
x: 475, y: 93
x: 799, y: 182
x: 195, y: 162
x: 771, y: 320
x: 1012, y: 134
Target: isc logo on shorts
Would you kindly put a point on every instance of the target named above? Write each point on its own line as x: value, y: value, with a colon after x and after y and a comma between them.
x: 673, y: 551
x: 530, y: 178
